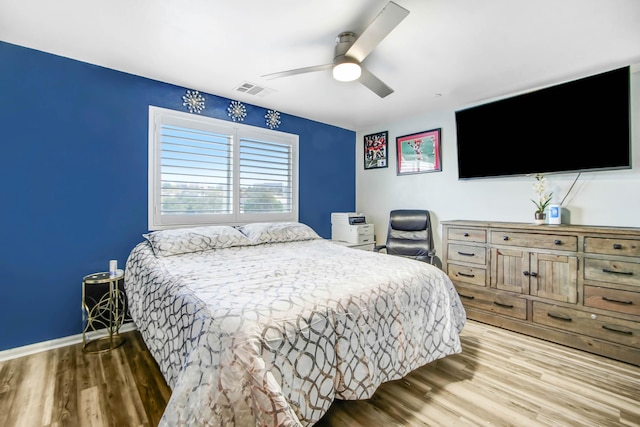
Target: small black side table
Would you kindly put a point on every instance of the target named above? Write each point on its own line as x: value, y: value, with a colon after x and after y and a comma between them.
x: 107, y: 313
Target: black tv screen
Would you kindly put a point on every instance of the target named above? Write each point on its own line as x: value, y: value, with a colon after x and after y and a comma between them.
x: 576, y: 126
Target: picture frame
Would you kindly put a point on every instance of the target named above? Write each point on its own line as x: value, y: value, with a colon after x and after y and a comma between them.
x: 419, y: 152
x: 376, y: 150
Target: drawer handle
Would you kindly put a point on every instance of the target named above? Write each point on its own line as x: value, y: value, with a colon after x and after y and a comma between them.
x: 466, y: 296
x: 466, y: 254
x: 466, y: 234
x: 557, y: 242
x: 617, y: 329
x: 466, y: 274
x: 526, y: 273
x: 619, y: 301
x: 617, y: 246
x: 626, y: 273
x: 532, y: 274
x: 505, y: 238
x: 501, y: 304
x: 559, y: 316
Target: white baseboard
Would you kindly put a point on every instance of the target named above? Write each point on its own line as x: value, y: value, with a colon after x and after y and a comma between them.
x: 14, y: 353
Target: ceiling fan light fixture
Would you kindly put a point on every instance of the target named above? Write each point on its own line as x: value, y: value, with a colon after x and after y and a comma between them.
x: 351, y: 50
x: 347, y: 70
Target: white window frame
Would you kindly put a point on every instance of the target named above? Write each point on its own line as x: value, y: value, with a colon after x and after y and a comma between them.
x: 159, y: 116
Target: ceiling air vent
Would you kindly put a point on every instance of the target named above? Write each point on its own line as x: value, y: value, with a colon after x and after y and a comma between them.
x: 253, y: 89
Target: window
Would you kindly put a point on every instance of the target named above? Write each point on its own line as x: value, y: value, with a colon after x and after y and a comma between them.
x: 210, y: 171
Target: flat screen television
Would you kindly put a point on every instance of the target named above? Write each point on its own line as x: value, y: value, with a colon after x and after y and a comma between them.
x: 581, y: 125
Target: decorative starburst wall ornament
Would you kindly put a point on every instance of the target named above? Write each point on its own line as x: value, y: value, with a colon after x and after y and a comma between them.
x: 273, y: 119
x: 237, y: 111
x: 193, y: 101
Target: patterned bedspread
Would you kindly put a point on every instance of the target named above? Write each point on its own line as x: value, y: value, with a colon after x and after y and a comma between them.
x: 271, y: 334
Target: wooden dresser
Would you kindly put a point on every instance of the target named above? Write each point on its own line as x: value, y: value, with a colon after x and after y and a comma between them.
x: 570, y: 284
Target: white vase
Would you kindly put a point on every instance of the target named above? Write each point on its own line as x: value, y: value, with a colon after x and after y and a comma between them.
x: 539, y: 218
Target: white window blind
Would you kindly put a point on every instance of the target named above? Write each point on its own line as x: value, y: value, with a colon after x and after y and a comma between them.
x: 266, y: 170
x: 208, y: 171
x: 196, y: 176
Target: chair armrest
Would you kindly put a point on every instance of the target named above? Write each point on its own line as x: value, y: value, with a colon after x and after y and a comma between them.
x: 379, y: 248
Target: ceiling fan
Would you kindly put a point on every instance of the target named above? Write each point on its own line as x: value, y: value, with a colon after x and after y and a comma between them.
x: 351, y: 50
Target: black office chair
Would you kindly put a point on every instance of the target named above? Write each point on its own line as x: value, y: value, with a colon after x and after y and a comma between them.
x: 409, y: 235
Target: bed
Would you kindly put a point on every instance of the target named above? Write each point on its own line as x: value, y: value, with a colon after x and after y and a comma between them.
x: 267, y: 324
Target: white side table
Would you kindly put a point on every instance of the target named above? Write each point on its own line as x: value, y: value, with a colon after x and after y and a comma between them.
x: 108, y: 313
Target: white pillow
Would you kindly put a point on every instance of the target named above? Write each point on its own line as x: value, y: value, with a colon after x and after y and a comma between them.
x: 195, y: 239
x: 278, y: 232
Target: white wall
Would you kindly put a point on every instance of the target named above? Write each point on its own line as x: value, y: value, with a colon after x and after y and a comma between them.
x: 609, y: 198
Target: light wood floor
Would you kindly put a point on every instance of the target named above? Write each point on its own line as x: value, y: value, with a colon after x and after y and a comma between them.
x: 500, y: 379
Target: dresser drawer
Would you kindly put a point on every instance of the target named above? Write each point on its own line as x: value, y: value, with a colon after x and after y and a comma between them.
x: 612, y: 271
x: 467, y: 253
x: 534, y: 240
x: 612, y: 299
x: 468, y: 235
x: 473, y: 275
x: 583, y: 322
x: 503, y: 303
x: 623, y: 247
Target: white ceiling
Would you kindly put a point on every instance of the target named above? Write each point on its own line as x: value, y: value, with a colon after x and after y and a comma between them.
x: 446, y: 54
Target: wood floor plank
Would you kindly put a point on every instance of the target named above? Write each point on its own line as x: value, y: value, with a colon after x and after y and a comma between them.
x: 30, y: 400
x: 119, y: 411
x: 501, y: 378
x: 126, y: 386
x: 91, y: 410
x: 48, y: 395
x: 11, y: 373
x: 151, y: 387
x: 65, y: 409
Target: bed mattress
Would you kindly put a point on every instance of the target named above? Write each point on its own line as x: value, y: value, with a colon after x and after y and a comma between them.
x: 271, y: 334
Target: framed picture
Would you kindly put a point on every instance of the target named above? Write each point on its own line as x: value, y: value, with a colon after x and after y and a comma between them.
x: 419, y: 152
x: 376, y: 150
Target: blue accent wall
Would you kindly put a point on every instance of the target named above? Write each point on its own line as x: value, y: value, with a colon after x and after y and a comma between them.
x: 73, y: 180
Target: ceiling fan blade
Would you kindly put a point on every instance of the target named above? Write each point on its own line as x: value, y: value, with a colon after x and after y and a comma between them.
x: 298, y: 71
x: 382, y: 25
x: 374, y: 83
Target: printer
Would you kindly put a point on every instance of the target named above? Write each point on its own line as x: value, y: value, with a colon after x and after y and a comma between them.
x: 351, y: 227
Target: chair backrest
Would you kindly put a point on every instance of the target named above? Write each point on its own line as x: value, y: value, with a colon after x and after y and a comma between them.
x: 410, y: 234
